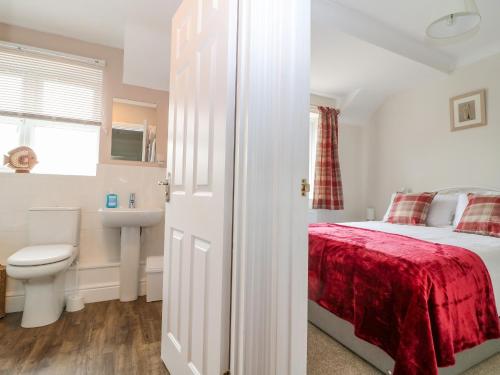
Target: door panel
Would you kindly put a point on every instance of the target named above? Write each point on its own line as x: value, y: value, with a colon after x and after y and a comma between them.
x: 199, y: 284
x: 175, y: 285
x: 198, y: 218
x: 204, y: 122
x: 179, y: 132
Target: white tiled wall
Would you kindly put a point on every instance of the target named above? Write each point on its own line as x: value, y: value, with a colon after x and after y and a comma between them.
x: 98, y: 245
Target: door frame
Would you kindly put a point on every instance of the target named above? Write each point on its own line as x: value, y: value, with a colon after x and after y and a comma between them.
x: 269, y: 266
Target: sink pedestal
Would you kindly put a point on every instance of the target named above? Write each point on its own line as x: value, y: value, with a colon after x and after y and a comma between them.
x: 130, y: 221
x: 129, y: 263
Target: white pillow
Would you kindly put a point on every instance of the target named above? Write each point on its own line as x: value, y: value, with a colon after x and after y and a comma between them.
x: 388, y: 212
x: 442, y: 210
x: 463, y: 201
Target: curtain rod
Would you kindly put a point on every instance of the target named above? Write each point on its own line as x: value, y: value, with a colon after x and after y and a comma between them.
x: 47, y: 52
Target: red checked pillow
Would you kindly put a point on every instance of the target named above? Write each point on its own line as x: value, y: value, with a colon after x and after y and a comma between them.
x: 410, y: 209
x: 481, y: 216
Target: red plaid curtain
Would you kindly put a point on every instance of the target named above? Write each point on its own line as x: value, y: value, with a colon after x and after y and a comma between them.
x: 327, y: 180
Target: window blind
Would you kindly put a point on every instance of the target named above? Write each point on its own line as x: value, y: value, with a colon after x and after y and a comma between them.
x: 47, y: 87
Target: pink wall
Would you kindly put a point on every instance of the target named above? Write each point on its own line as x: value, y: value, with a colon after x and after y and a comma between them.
x: 113, y: 86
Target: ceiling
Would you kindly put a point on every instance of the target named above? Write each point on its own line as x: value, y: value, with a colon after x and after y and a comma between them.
x: 360, y: 75
x: 412, y: 18
x: 362, y: 50
x: 95, y: 21
x: 140, y: 27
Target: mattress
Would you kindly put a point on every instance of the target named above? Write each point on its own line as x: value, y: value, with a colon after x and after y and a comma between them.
x: 487, y: 248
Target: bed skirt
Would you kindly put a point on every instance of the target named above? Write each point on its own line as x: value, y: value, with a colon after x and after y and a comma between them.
x: 343, y: 332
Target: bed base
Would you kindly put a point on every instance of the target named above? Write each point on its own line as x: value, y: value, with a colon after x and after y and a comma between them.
x: 343, y: 332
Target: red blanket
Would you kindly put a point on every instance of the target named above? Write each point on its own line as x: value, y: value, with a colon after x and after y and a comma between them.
x: 420, y: 302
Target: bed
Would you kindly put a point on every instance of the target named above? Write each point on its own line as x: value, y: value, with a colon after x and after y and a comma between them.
x: 485, y: 247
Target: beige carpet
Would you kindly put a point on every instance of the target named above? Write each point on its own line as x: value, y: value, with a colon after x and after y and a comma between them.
x: 327, y: 357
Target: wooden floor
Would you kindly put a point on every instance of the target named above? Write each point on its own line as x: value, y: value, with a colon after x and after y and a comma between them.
x: 112, y: 337
x: 105, y: 338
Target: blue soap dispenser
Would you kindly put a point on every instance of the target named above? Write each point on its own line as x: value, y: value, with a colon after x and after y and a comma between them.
x: 111, y: 200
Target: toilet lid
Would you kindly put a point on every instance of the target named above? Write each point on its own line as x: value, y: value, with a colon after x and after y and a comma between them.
x: 40, y: 255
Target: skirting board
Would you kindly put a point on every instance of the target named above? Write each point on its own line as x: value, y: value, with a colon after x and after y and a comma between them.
x: 343, y: 332
x: 97, y: 283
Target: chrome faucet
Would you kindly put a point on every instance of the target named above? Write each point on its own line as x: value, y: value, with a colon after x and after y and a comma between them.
x: 131, y: 200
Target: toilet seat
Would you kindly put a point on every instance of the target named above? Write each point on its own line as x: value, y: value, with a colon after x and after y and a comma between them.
x: 40, y: 255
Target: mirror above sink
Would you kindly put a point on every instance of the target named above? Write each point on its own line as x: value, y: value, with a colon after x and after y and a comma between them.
x: 134, y: 131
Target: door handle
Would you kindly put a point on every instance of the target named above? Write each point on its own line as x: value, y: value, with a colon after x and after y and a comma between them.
x: 166, y: 183
x: 305, y: 188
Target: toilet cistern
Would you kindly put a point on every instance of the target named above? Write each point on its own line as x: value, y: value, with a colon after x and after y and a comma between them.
x: 131, y: 200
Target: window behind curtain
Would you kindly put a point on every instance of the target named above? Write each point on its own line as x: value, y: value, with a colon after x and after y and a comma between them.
x: 313, y: 131
x: 53, y: 104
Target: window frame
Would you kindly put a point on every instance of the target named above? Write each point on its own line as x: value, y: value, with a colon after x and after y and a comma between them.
x: 26, y: 137
x: 71, y: 70
x: 313, y: 139
x: 28, y: 111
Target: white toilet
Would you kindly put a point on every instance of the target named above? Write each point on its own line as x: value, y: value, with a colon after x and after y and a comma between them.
x: 54, y: 239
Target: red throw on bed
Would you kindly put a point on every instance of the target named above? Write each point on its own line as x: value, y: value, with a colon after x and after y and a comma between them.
x: 420, y: 302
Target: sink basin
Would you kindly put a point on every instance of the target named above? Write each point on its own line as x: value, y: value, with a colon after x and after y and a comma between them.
x: 130, y: 217
x: 130, y: 220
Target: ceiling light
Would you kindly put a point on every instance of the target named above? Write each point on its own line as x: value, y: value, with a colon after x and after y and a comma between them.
x: 453, y: 18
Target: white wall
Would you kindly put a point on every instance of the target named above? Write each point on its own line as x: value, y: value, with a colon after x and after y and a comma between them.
x: 322, y: 101
x: 99, y: 246
x: 351, y: 142
x: 146, y: 58
x: 351, y: 167
x: 409, y: 144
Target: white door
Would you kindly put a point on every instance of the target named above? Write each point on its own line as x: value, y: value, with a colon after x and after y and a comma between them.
x: 200, y: 164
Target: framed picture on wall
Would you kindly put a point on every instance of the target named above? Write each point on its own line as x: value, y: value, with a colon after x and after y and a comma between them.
x: 468, y: 110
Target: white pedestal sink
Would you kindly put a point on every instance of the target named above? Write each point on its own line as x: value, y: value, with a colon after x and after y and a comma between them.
x: 130, y: 221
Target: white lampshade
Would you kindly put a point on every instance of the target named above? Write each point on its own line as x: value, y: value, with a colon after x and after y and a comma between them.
x: 453, y: 18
